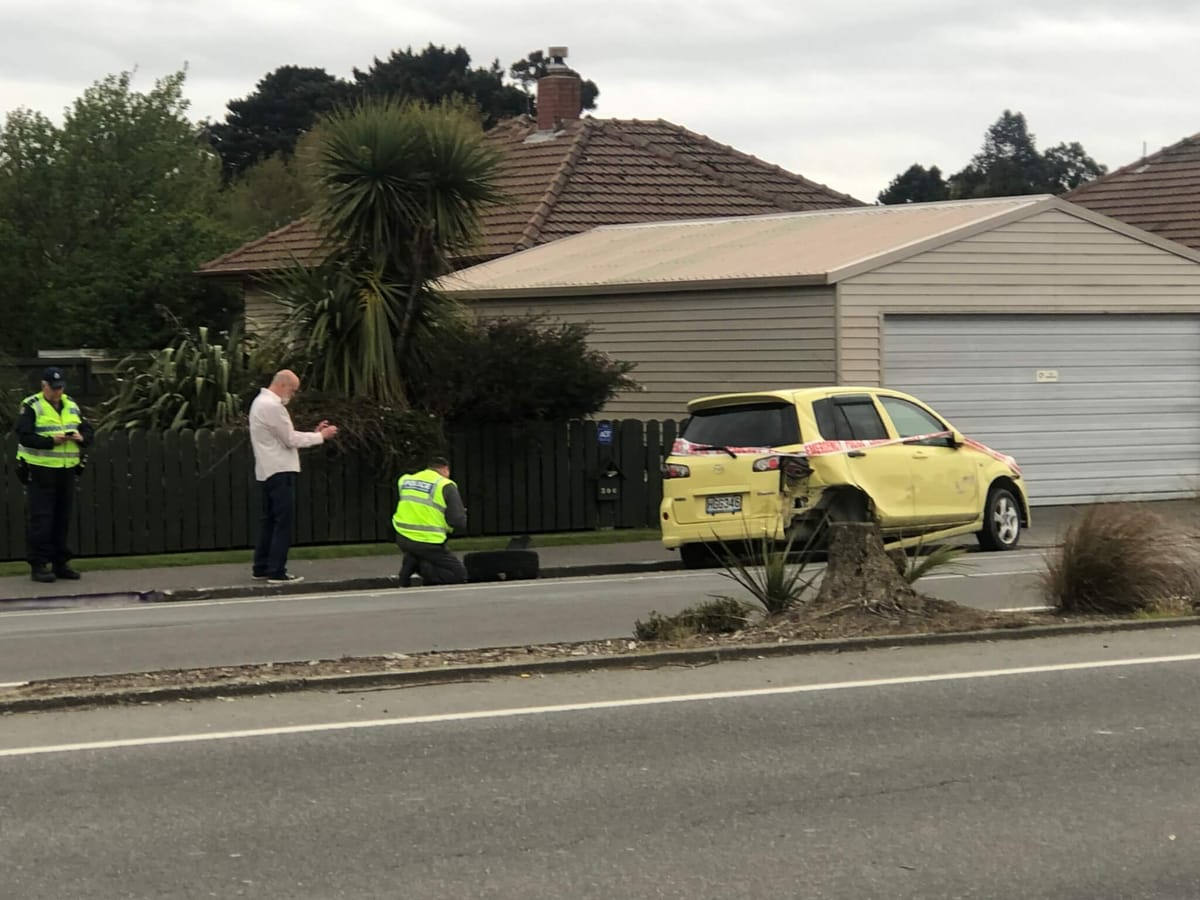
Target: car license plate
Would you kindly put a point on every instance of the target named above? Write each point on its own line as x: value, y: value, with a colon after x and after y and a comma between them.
x: 723, y: 503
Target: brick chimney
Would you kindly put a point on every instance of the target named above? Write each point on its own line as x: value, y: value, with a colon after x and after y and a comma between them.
x: 558, y: 93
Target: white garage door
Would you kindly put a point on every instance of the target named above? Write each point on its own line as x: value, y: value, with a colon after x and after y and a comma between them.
x: 1093, y: 407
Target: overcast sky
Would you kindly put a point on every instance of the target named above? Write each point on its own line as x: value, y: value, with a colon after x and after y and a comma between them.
x: 846, y: 93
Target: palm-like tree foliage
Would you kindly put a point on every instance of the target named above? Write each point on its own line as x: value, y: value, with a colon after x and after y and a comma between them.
x: 402, y: 188
x: 343, y: 322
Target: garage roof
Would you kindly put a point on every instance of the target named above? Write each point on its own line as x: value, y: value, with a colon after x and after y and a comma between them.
x: 816, y: 247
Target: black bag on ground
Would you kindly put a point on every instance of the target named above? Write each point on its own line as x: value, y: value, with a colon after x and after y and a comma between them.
x: 501, y: 565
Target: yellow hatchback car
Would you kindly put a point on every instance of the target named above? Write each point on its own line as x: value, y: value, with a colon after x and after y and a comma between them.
x: 778, y: 464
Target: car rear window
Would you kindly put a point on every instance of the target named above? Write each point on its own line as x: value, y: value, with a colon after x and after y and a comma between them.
x: 744, y: 425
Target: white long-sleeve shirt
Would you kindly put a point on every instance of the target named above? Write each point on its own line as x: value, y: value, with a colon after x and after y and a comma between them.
x: 275, y: 441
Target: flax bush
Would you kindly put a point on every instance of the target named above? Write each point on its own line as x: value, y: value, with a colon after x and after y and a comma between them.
x: 777, y: 577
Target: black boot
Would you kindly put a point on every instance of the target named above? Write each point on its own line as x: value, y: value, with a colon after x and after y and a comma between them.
x: 65, y: 571
x: 43, y: 574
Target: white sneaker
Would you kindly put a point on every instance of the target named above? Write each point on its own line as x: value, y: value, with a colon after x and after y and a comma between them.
x: 286, y: 579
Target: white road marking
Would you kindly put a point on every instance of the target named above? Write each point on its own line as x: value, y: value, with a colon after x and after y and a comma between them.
x: 595, y: 705
x: 8, y: 684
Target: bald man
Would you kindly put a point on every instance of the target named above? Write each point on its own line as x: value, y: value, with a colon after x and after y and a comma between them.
x: 277, y: 446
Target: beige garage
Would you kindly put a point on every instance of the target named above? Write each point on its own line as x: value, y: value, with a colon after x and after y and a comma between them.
x: 915, y: 297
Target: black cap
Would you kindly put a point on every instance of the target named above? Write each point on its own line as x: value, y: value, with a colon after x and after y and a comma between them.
x: 53, y: 376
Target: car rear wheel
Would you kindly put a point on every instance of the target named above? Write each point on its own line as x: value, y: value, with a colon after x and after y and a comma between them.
x: 699, y: 556
x: 1001, y: 521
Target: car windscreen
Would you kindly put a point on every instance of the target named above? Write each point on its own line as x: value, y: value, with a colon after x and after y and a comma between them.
x: 744, y: 425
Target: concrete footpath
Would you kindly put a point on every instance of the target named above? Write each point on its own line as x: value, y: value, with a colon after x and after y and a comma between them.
x: 375, y: 572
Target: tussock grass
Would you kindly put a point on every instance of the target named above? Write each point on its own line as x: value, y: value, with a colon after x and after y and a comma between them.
x: 1122, y: 559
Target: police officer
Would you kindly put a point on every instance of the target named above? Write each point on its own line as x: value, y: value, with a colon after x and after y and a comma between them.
x: 429, y: 510
x: 51, y: 434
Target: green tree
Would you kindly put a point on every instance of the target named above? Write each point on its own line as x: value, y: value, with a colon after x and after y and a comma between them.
x: 525, y: 72
x: 272, y: 192
x: 115, y: 210
x: 916, y: 185
x: 402, y: 187
x: 267, y: 123
x: 28, y: 195
x: 1009, y: 164
x: 437, y: 74
x: 1068, y: 166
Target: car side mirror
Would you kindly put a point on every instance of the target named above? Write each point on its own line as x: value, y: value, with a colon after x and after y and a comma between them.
x: 956, y: 438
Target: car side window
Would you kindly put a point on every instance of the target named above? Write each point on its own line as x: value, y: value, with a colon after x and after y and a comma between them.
x: 911, y: 420
x: 852, y: 418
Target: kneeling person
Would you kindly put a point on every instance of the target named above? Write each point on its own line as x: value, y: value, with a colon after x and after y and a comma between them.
x: 430, y: 509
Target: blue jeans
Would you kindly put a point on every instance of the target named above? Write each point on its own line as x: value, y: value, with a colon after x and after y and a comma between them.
x: 275, y: 526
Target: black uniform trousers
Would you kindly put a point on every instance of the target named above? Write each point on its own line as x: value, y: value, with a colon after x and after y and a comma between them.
x: 434, y: 562
x: 49, y: 496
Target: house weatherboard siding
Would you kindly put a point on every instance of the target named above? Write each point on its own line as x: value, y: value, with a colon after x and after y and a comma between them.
x: 263, y: 312
x: 1051, y: 262
x: 691, y: 344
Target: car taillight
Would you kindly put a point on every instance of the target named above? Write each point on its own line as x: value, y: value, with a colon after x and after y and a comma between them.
x: 792, y: 466
x: 766, y: 464
x: 676, y: 470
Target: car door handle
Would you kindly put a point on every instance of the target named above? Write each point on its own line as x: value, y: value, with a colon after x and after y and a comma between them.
x: 856, y: 453
x: 920, y: 454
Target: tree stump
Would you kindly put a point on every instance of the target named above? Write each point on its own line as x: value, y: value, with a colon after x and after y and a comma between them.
x: 860, y: 574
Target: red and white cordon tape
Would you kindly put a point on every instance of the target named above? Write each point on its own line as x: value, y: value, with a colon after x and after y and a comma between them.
x: 684, y: 447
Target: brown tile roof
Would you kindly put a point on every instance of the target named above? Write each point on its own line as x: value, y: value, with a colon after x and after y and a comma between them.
x: 1160, y: 193
x: 592, y: 172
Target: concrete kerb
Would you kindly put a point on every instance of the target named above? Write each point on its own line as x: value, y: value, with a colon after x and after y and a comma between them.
x: 382, y: 583
x: 391, y: 582
x: 403, y: 678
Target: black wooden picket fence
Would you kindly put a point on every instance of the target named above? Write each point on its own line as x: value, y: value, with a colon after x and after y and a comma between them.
x: 149, y: 492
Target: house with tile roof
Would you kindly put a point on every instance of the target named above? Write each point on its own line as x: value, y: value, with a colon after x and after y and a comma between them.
x: 1160, y: 193
x: 565, y: 174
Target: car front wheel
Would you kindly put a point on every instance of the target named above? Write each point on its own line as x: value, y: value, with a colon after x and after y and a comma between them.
x: 1001, y: 521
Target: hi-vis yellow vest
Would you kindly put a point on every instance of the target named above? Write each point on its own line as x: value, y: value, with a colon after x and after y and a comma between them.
x: 421, y: 510
x: 49, y: 422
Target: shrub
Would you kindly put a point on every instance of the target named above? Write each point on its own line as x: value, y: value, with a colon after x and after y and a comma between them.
x: 1120, y: 559
x: 12, y: 391
x: 394, y: 441
x: 514, y: 370
x: 721, y: 615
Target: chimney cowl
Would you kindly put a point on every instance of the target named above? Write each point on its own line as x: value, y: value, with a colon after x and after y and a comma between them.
x: 559, y: 93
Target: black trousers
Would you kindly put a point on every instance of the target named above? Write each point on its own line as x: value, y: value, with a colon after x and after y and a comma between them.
x: 49, y: 496
x: 275, y: 525
x: 434, y: 562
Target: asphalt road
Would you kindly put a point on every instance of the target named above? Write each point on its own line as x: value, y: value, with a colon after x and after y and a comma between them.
x: 134, y: 637
x: 1062, y: 768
